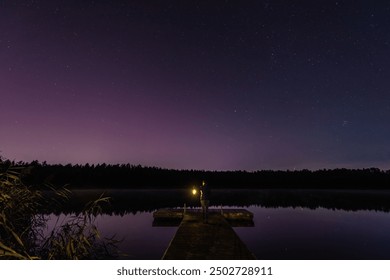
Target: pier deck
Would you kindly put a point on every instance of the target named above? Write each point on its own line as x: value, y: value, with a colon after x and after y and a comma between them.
x: 201, y: 241
x: 173, y: 217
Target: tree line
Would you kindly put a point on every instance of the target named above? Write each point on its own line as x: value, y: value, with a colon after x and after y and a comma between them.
x: 125, y: 176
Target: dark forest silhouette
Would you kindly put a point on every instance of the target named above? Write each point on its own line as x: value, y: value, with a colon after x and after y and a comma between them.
x: 129, y: 176
x: 33, y: 190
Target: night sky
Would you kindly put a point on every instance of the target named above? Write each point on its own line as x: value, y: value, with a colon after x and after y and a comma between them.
x: 212, y: 85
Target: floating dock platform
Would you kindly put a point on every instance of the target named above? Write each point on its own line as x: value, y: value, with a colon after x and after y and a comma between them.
x: 196, y: 240
x: 173, y: 217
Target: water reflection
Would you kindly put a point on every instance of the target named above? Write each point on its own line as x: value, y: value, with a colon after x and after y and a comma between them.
x: 134, y: 201
x: 288, y: 224
x: 301, y: 233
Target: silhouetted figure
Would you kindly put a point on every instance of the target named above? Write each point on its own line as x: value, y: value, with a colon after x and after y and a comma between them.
x: 204, y: 200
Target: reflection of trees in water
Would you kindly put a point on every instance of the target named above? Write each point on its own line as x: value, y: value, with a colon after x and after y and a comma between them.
x: 124, y: 202
x: 126, y: 176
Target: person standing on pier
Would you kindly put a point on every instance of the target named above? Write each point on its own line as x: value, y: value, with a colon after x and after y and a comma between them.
x: 204, y: 200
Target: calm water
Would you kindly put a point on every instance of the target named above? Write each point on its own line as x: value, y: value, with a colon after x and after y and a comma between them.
x: 288, y: 224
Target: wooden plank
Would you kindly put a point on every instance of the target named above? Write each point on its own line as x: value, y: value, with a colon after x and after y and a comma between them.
x: 168, y: 213
x: 202, y: 241
x: 173, y: 217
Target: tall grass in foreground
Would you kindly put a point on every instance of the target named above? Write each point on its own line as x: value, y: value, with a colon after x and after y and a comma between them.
x: 22, y: 223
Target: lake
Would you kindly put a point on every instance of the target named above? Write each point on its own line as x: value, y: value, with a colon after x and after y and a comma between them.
x: 288, y: 224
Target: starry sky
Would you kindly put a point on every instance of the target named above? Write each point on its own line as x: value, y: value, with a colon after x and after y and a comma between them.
x: 210, y: 85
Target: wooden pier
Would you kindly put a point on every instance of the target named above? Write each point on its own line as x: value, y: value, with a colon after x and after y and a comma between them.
x: 197, y: 240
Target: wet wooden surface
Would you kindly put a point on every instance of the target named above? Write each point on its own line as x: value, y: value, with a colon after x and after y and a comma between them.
x: 196, y: 240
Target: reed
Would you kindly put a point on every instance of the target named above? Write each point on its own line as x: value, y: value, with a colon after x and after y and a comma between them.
x: 22, y: 223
